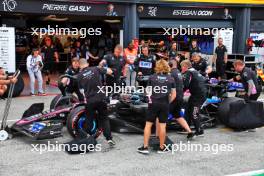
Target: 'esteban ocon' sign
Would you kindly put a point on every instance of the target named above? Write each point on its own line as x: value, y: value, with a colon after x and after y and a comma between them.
x: 155, y: 11
x: 192, y: 13
x: 65, y: 8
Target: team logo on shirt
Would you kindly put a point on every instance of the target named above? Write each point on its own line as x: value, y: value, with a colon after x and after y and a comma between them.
x: 143, y: 64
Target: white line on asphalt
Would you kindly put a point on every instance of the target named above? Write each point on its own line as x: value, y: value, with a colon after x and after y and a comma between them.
x: 251, y: 173
x: 11, y: 120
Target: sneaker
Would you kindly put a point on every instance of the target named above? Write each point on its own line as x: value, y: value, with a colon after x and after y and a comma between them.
x: 143, y: 150
x: 32, y: 95
x: 41, y: 94
x: 190, y: 136
x: 199, y: 133
x: 162, y: 151
x: 111, y: 142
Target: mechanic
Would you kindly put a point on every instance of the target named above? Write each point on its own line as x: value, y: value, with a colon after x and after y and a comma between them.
x: 194, y: 48
x: 249, y: 80
x: 116, y: 62
x: 89, y: 79
x: 144, y: 64
x: 195, y: 83
x: 199, y: 64
x: 70, y: 86
x: 4, y: 81
x: 49, y: 55
x: 220, y: 59
x: 173, y: 51
x: 177, y: 105
x: 162, y: 94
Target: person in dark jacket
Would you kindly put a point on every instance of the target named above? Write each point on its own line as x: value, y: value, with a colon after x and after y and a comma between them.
x: 195, y: 83
x: 249, y: 79
x: 177, y: 105
x: 144, y: 64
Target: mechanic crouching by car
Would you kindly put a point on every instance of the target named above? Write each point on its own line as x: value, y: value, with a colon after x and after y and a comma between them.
x: 89, y: 79
x: 116, y: 62
x: 249, y: 80
x: 199, y: 64
x: 195, y: 83
x: 144, y: 65
x: 162, y: 93
x: 71, y: 86
x: 5, y: 80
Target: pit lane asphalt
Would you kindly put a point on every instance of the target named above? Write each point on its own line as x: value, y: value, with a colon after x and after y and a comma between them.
x: 17, y: 156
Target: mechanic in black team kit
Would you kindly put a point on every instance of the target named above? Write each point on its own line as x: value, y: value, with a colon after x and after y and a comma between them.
x: 144, y: 64
x: 200, y: 64
x: 89, y: 79
x: 70, y: 86
x: 162, y: 93
x: 116, y: 62
x: 195, y: 82
x: 177, y: 105
x: 249, y: 80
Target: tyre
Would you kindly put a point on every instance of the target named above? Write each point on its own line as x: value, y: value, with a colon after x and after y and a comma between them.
x: 224, y: 109
x: 60, y: 100
x: 78, y: 124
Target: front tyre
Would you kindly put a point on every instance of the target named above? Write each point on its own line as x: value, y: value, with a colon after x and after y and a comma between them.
x: 79, y: 124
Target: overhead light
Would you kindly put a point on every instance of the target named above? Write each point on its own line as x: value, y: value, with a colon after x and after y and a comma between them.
x: 54, y: 18
x: 112, y: 21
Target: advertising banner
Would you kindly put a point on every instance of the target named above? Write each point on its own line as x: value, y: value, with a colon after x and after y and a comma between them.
x: 7, y: 49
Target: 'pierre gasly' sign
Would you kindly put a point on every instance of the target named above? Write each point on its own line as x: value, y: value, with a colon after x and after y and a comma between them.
x: 65, y: 7
x: 56, y: 7
x: 152, y: 11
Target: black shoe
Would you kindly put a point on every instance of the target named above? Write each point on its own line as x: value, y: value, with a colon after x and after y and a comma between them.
x: 143, y: 150
x: 111, y: 142
x: 199, y: 133
x: 48, y: 81
x: 164, y: 150
x: 190, y: 136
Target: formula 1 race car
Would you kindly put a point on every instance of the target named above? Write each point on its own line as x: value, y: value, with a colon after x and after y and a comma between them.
x: 131, y: 109
x: 39, y: 124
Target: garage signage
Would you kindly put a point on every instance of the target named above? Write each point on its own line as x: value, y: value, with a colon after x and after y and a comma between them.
x: 151, y: 11
x: 52, y: 7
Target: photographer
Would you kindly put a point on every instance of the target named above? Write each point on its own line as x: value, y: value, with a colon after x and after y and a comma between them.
x: 161, y: 95
x: 34, y: 64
